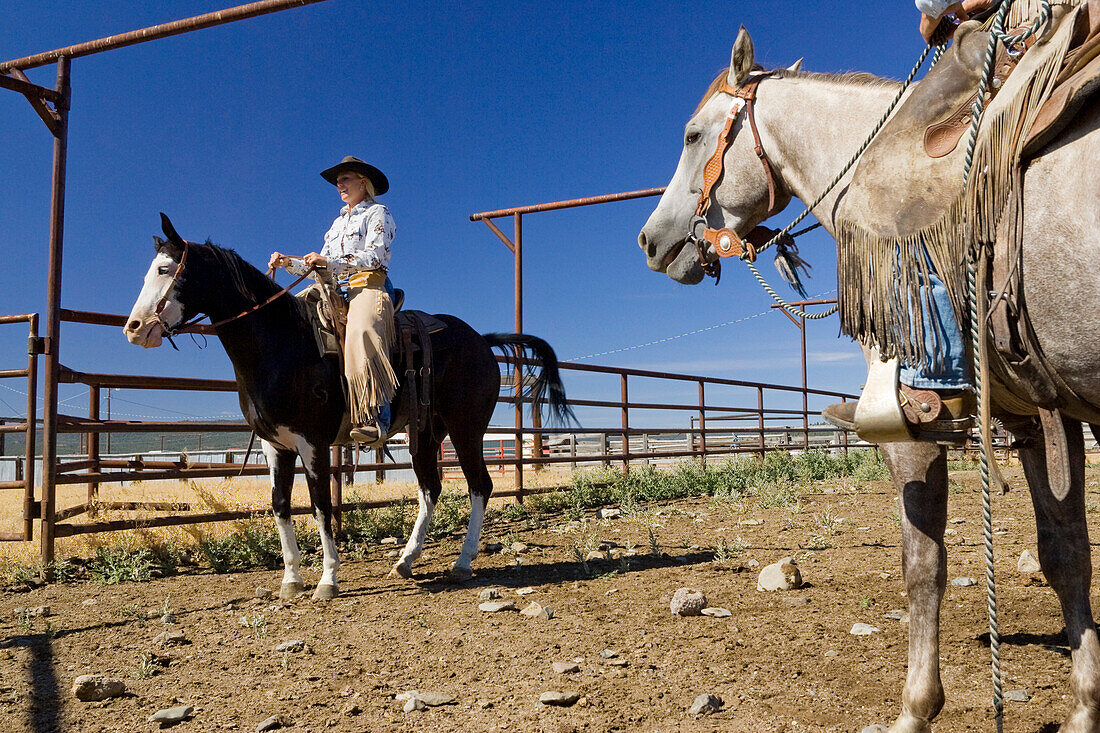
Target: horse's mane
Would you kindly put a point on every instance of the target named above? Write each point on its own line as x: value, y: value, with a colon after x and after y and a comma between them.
x: 251, y: 284
x: 849, y: 78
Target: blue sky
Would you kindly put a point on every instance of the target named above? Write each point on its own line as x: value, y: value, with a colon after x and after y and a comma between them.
x: 467, y: 107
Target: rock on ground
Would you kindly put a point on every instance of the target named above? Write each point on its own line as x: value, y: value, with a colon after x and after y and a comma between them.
x: 705, y: 704
x: 294, y: 645
x: 1027, y: 563
x: 537, y: 610
x: 861, y: 629
x: 496, y: 606
x: 781, y: 575
x: 717, y: 612
x: 93, y: 687
x: 963, y: 582
x: 1017, y: 695
x: 564, y: 699
x: 170, y: 716
x: 566, y: 667
x: 688, y: 602
x: 273, y: 723
x: 488, y: 594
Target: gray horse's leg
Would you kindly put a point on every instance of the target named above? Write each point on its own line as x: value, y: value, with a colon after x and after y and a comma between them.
x: 1065, y: 558
x: 280, y: 464
x: 919, y: 471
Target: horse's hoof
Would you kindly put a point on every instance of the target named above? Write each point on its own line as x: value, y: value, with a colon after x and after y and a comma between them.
x: 325, y: 592
x: 290, y: 591
x: 907, y: 723
x: 459, y: 575
x: 401, y: 570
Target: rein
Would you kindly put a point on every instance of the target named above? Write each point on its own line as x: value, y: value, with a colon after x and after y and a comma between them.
x: 726, y: 241
x: 170, y: 331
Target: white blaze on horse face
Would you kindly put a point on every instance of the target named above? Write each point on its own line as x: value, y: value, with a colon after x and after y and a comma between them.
x: 142, y: 327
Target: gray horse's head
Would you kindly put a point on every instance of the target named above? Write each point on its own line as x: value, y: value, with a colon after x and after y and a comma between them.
x: 739, y: 201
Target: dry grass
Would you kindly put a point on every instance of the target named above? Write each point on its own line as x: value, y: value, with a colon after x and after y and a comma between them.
x: 203, y: 496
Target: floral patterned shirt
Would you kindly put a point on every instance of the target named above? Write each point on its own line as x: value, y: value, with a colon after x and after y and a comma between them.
x: 359, y: 239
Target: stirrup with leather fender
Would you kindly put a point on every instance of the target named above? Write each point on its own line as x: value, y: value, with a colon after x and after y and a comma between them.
x: 890, y: 412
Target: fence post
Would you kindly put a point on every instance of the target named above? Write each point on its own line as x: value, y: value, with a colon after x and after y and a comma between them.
x: 626, y: 424
x: 844, y: 433
x: 645, y: 448
x: 573, y: 451
x: 760, y: 416
x: 702, y: 426
x: 93, y: 444
x: 32, y: 431
x: 605, y: 448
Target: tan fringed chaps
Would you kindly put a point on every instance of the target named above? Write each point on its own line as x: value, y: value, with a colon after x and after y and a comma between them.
x: 888, y: 239
x: 370, y: 335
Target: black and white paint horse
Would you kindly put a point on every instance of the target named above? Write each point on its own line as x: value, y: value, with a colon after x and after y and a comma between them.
x: 292, y: 396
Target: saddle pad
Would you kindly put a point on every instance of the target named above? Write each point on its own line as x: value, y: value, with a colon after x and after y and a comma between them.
x: 407, y: 319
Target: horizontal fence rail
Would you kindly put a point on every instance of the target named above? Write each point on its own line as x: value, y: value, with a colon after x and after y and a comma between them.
x: 710, y: 424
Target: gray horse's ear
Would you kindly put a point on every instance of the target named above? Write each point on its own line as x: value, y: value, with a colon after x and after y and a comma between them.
x: 741, y: 60
x: 796, y: 66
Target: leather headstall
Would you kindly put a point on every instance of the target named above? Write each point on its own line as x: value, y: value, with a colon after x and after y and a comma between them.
x: 170, y: 331
x: 726, y: 242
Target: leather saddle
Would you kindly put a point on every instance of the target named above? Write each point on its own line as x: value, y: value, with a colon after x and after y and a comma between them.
x: 412, y: 350
x: 1076, y: 83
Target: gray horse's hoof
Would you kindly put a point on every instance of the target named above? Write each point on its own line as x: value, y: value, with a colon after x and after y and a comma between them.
x: 325, y: 592
x: 290, y: 591
x: 908, y: 723
x: 401, y: 570
x: 458, y: 575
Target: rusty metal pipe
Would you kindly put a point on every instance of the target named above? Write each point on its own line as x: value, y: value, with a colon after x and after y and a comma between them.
x: 163, y: 30
x: 570, y: 204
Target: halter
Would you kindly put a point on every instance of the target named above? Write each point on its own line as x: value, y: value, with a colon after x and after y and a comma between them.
x: 170, y: 331
x: 726, y: 241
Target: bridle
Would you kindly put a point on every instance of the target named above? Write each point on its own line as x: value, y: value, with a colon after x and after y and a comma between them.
x: 726, y: 242
x: 170, y: 331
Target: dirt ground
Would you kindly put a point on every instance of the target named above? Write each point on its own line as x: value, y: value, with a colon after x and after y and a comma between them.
x: 784, y: 661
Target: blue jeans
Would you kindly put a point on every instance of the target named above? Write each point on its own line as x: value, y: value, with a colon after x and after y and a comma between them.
x: 943, y: 342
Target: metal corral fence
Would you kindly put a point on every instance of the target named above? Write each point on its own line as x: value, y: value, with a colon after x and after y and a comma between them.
x: 720, y: 417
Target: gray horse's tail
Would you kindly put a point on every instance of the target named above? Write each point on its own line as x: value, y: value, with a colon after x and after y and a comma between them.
x: 545, y: 385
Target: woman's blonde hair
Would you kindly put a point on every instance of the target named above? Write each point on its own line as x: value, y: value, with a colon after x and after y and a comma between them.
x: 366, y: 182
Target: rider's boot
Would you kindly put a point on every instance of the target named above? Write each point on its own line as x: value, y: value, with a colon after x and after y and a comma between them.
x: 938, y: 416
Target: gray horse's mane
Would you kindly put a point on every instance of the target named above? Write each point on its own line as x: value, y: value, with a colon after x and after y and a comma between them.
x: 847, y: 78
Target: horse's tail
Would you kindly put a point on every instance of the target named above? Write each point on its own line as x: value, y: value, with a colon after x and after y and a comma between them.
x: 546, y: 386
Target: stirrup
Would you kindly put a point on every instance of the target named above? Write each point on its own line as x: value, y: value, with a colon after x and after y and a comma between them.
x: 366, y: 434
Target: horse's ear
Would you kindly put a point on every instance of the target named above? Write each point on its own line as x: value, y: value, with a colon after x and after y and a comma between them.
x: 796, y: 66
x: 169, y: 230
x: 174, y: 246
x: 741, y: 60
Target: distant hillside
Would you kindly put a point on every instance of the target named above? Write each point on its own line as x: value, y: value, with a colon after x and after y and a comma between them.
x: 72, y: 443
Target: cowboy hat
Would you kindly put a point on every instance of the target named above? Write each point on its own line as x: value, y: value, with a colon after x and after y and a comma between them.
x: 350, y: 163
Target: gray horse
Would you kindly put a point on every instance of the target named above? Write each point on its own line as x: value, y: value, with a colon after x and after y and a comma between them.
x: 809, y: 125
